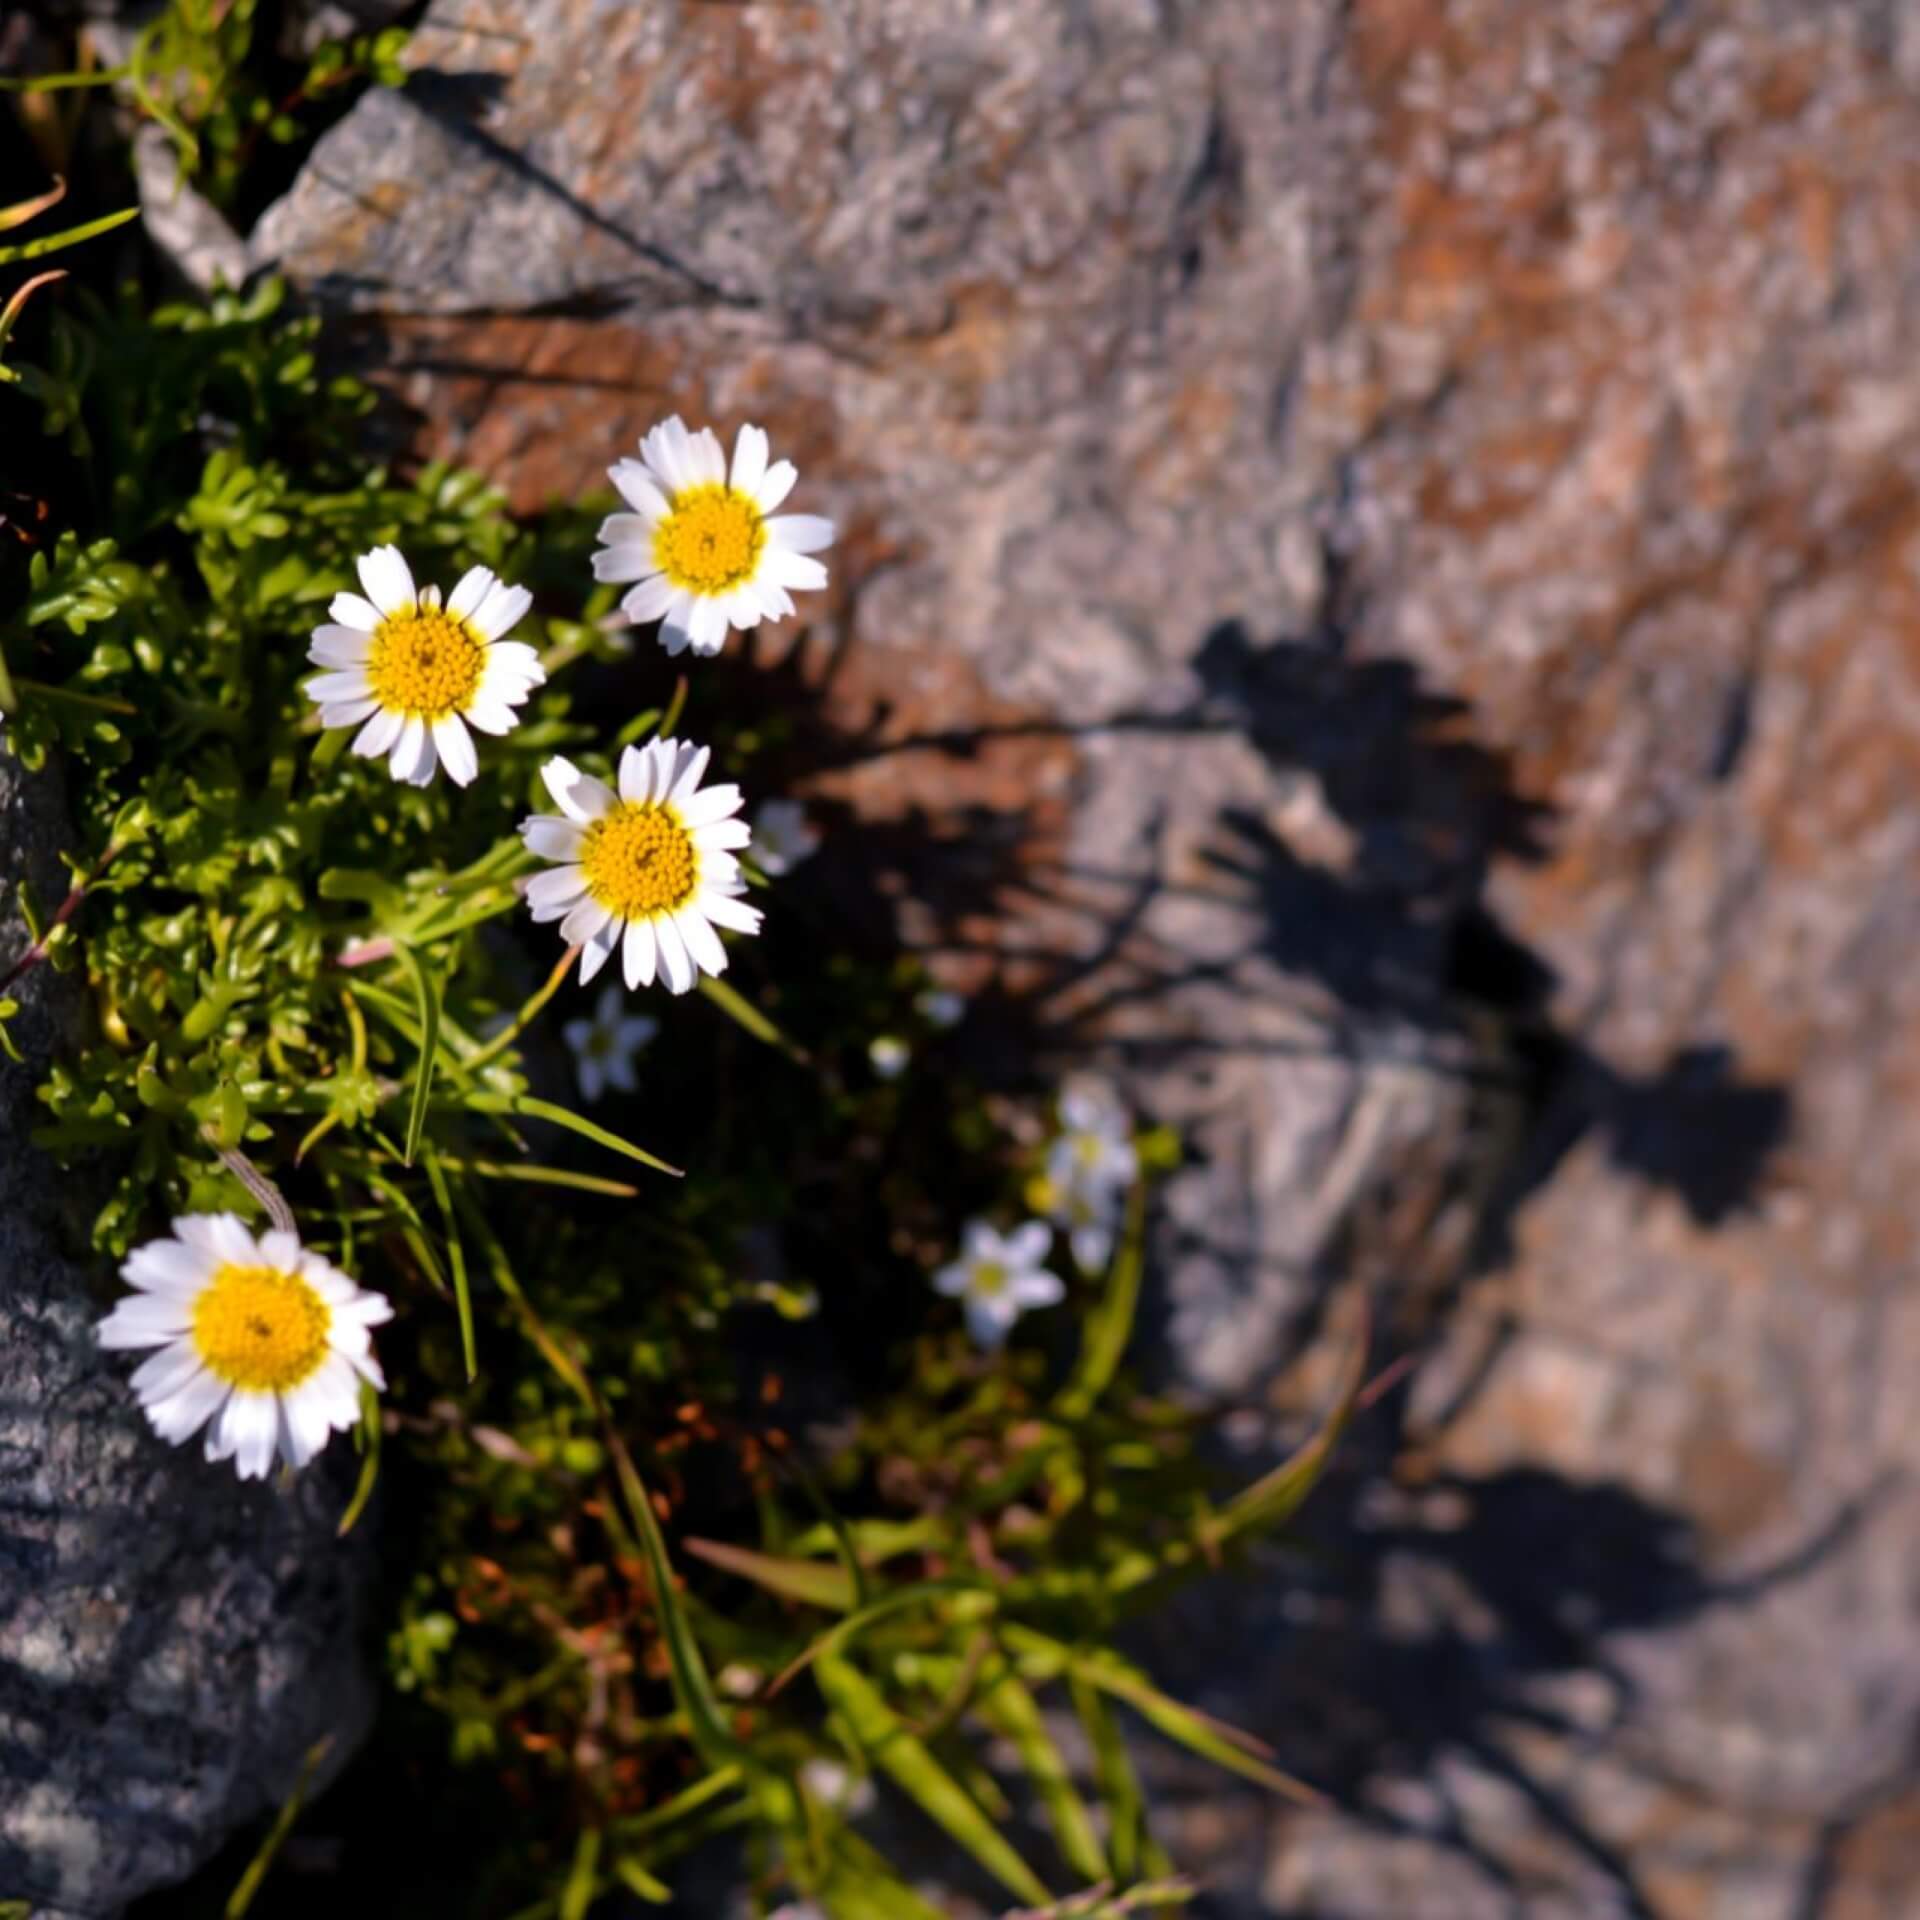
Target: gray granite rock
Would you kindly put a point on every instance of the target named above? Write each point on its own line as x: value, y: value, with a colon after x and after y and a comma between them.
x: 1384, y: 538
x: 171, y: 1642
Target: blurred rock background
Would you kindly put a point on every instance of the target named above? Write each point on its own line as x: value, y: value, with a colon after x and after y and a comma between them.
x: 1381, y: 546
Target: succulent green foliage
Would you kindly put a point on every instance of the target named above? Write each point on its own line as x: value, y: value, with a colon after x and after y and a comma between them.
x: 632, y: 1610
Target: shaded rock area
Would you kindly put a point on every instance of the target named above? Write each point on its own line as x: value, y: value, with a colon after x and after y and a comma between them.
x: 1381, y: 597
x: 171, y: 1643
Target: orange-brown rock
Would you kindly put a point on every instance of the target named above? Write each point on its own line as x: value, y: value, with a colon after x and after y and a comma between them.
x: 1390, y: 536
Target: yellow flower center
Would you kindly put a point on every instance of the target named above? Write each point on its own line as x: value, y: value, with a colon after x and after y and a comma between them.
x: 261, y: 1330
x: 711, y: 541
x: 425, y: 662
x: 989, y: 1278
x: 639, y: 861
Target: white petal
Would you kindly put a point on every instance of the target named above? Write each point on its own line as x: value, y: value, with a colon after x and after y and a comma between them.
x: 590, y: 922
x: 515, y: 657
x: 686, y: 775
x: 749, y: 460
x: 787, y: 569
x: 280, y: 1250
x: 491, y: 712
x: 777, y: 485
x: 634, y: 767
x: 231, y: 1236
x: 188, y: 1408
x: 980, y: 1243
x: 501, y: 611
x: 379, y: 733
x: 556, y: 887
x: 630, y: 562
x: 954, y: 1279
x: 703, y: 944
x: 550, y: 839
x: 707, y: 458
x: 662, y: 449
x: 717, y: 836
x: 725, y: 911
x: 423, y: 768
x: 676, y: 968
x: 578, y: 795
x: 388, y: 580
x: 348, y: 713
x: 597, y: 951
x: 673, y: 624
x: 305, y: 1426
x: 1038, y: 1288
x: 165, y: 1266
x: 351, y: 611
x: 407, y: 747
x: 637, y: 488
x: 707, y: 626
x: 455, y: 743
x: 742, y: 606
x: 349, y: 684
x: 247, y: 1431
x: 800, y: 533
x: 988, y: 1319
x: 470, y: 592
x: 166, y: 1372
x: 649, y: 600
x: 339, y: 647
x: 1027, y: 1245
x: 637, y: 954
x: 707, y: 807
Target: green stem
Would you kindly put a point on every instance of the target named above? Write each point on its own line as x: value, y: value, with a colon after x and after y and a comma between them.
x: 505, y: 1038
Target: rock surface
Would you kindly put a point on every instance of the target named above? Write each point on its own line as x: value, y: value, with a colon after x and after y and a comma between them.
x: 171, y: 1643
x: 1383, y: 544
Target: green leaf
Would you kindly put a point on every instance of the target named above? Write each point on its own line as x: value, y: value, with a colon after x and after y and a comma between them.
x: 816, y: 1583
x: 70, y: 237
x: 747, y: 1015
x: 862, y: 1886
x: 691, y: 1686
x: 456, y: 1259
x: 688, y: 1800
x: 577, y: 1895
x: 1005, y: 1704
x: 636, y: 1879
x: 1225, y: 1746
x: 1110, y: 1324
x: 427, y: 1003
x: 530, y: 1108
x: 369, y: 1457
x: 1131, y: 1846
x: 242, y: 1896
x: 1276, y: 1497
x: 893, y: 1746
x: 843, y: 1633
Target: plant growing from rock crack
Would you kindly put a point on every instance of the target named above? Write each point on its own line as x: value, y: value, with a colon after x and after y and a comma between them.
x: 307, y: 980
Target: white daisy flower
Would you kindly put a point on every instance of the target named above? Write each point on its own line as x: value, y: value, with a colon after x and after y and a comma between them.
x: 1094, y: 1155
x: 603, y: 1047
x: 418, y: 674
x: 998, y: 1276
x: 261, y: 1337
x: 783, y: 836
x: 651, y: 869
x: 699, y: 544
x: 888, y: 1056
